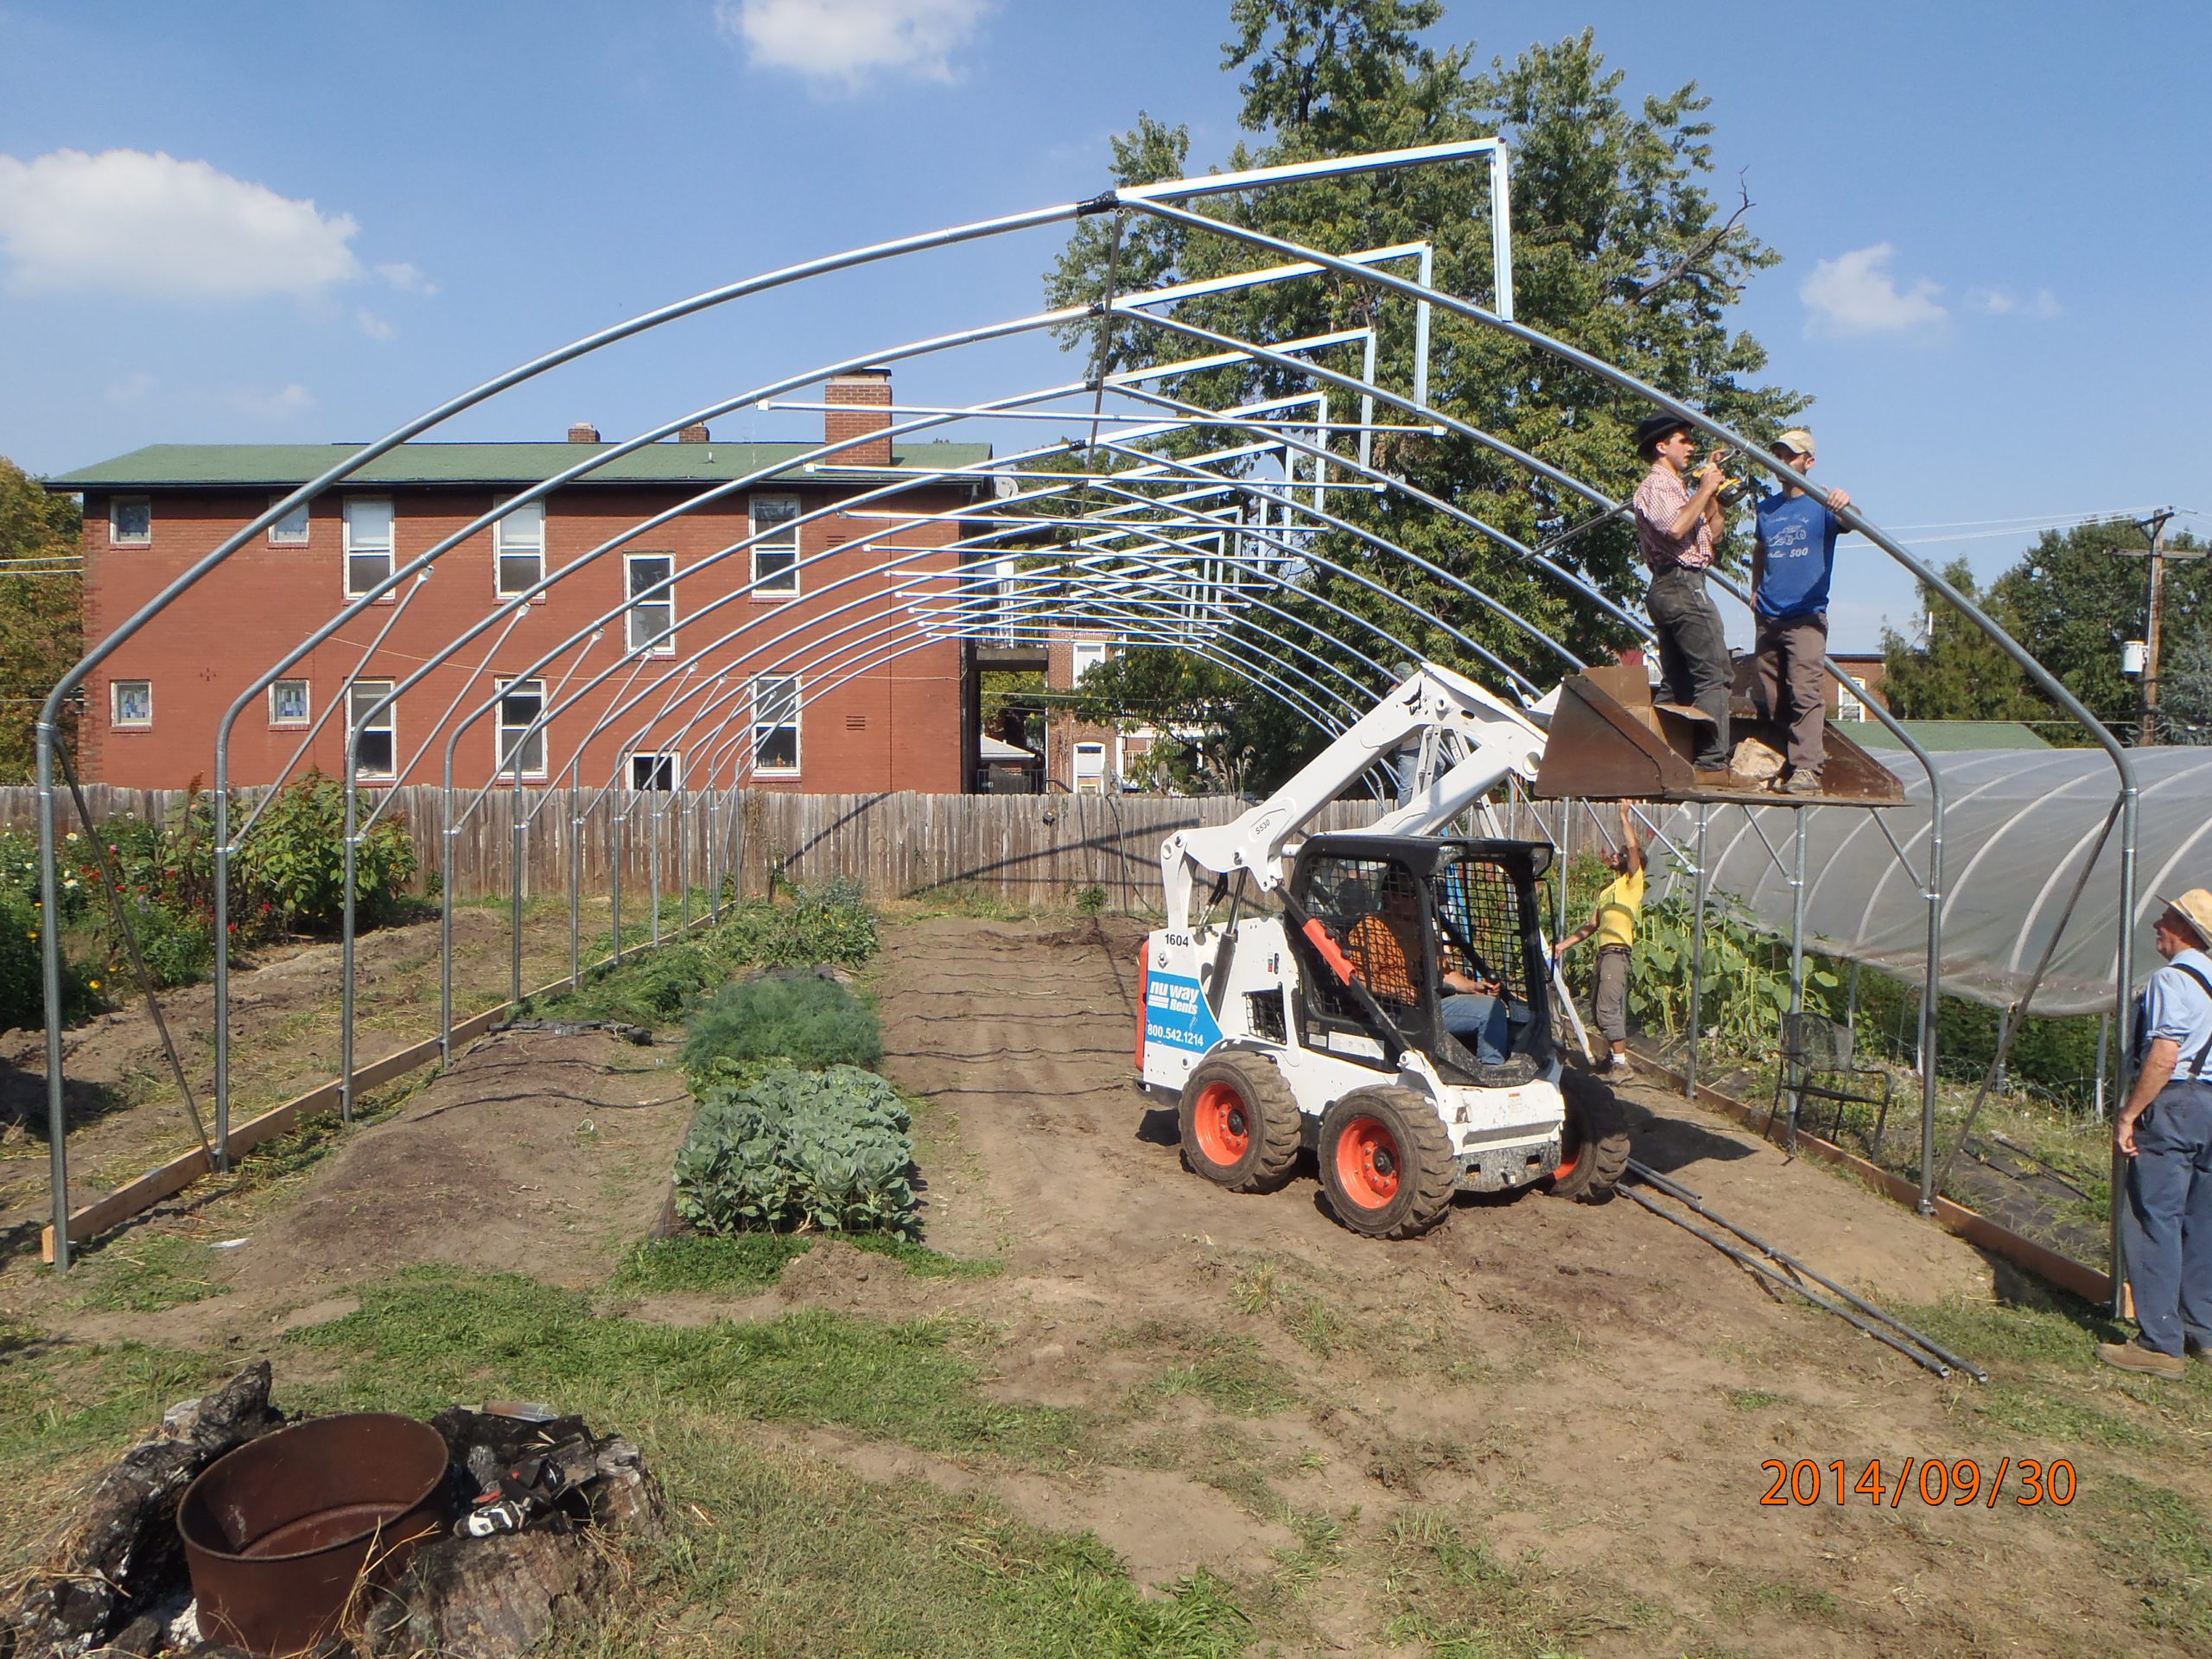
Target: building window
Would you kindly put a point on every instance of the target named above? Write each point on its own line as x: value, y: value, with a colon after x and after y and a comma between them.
x: 1090, y: 768
x: 775, y: 556
x: 288, y: 703
x: 133, y: 703
x: 129, y: 521
x: 518, y: 543
x: 775, y: 724
x: 655, y: 771
x: 1847, y: 705
x: 290, y: 530
x: 652, y: 603
x: 1088, y: 655
x: 368, y: 543
x: 521, y: 702
x: 374, y: 750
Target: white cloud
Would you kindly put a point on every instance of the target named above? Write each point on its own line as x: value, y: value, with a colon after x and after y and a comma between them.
x: 841, y: 43
x: 292, y: 399
x: 125, y: 221
x: 2002, y: 302
x: 406, y: 278
x: 1854, y: 294
x: 374, y: 325
x: 131, y: 390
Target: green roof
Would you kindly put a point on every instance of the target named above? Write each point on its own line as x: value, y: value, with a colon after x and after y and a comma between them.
x: 1938, y: 736
x: 235, y: 466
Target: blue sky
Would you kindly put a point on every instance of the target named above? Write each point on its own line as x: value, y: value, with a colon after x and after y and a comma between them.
x: 310, y: 223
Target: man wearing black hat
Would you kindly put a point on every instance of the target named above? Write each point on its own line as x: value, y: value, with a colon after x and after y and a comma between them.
x: 1676, y: 528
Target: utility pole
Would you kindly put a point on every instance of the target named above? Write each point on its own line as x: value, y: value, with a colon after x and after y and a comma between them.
x: 2155, y: 527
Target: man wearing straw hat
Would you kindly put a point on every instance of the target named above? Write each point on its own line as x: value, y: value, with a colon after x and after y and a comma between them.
x: 2165, y: 1133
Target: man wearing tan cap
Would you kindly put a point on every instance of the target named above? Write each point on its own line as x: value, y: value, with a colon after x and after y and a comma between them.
x: 2165, y: 1130
x: 1792, y: 561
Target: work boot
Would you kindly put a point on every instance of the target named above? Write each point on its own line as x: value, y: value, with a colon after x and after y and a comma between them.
x: 1619, y: 1070
x: 2145, y: 1362
x: 2198, y: 1348
x: 1802, y: 782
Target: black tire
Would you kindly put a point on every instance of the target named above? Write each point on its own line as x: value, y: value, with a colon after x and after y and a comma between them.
x: 1240, y: 1122
x: 1386, y: 1163
x: 1594, y: 1145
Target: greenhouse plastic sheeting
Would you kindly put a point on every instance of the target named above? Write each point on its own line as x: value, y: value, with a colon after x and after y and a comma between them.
x: 2017, y: 825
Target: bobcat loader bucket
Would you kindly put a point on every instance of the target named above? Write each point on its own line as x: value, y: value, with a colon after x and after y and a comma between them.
x: 1609, y: 740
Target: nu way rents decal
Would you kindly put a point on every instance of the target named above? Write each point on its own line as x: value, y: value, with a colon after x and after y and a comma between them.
x: 1175, y: 1013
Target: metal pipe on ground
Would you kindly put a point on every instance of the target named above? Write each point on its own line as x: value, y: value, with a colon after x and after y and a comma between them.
x: 1681, y: 1194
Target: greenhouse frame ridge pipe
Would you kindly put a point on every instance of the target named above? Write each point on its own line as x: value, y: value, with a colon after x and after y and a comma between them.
x: 1236, y: 621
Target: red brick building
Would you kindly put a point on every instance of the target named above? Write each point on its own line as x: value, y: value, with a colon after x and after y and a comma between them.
x: 152, y: 710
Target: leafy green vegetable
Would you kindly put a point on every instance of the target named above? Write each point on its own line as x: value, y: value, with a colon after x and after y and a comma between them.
x: 800, y: 1018
x: 792, y: 1151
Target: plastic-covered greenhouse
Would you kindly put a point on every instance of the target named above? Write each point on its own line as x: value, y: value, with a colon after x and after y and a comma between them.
x: 2017, y: 826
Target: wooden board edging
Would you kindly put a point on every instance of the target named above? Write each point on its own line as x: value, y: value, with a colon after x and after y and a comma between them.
x: 1971, y: 1225
x: 167, y: 1180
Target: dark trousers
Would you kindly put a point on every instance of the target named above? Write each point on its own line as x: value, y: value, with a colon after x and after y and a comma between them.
x: 2166, y: 1228
x: 1786, y: 669
x: 1693, y: 654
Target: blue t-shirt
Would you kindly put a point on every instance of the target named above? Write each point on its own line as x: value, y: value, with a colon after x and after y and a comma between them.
x: 1799, y: 534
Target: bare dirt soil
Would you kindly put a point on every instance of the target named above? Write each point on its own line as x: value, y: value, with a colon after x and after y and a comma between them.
x: 1587, y: 1390
x: 125, y: 1115
x: 1543, y: 1420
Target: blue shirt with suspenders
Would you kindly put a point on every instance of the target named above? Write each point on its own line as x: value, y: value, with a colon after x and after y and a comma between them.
x: 2178, y: 1006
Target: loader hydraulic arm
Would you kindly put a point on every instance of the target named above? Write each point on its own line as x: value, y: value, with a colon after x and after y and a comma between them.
x: 1446, y: 711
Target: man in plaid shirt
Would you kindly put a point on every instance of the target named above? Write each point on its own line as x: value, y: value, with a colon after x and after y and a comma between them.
x: 1675, y: 529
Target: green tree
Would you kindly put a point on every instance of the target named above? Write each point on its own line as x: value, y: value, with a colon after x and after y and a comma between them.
x: 1958, y: 672
x: 41, y: 616
x: 2185, y: 687
x: 2074, y: 599
x: 2077, y: 597
x: 1620, y: 249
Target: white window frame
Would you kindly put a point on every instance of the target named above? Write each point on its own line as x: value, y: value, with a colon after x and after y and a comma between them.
x: 502, y: 530
x: 785, y: 584
x: 348, y: 553
x: 665, y: 646
x: 306, y: 715
x: 1098, y: 779
x: 672, y: 758
x: 1847, y: 704
x: 115, y: 534
x: 115, y: 706
x: 501, y: 746
x: 361, y: 691
x: 1094, y: 649
x: 772, y: 682
x: 279, y: 537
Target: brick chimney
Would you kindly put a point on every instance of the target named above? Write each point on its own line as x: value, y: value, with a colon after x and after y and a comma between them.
x: 582, y: 432
x: 863, y: 404
x: 695, y: 433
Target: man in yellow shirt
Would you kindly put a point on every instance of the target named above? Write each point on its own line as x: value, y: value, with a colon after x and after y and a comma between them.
x: 1614, y: 927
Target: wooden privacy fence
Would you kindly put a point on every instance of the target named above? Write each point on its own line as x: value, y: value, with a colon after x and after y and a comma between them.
x: 1023, y: 848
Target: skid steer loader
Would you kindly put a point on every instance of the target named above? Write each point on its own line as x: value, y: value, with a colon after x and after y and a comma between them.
x: 1393, y: 1012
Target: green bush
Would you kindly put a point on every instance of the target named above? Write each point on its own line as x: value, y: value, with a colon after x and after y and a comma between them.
x: 832, y: 923
x: 23, y: 991
x: 292, y: 864
x: 178, y: 947
x: 791, y: 1151
x: 799, y: 1019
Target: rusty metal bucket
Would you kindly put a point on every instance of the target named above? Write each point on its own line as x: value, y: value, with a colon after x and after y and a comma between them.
x: 278, y: 1533
x: 1608, y: 741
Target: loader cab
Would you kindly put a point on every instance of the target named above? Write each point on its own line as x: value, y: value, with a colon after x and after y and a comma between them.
x: 1400, y: 912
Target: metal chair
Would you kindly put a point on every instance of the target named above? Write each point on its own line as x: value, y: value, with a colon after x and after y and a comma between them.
x: 1817, y: 1052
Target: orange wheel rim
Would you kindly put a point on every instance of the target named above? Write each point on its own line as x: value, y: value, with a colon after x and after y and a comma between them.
x: 1368, y: 1160
x: 1222, y: 1123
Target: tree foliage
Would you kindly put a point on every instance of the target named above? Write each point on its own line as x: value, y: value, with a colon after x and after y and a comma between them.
x: 2074, y: 599
x: 42, y: 617
x: 1620, y: 249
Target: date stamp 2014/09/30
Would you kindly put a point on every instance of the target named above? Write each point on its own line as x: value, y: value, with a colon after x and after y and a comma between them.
x: 1930, y: 1482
